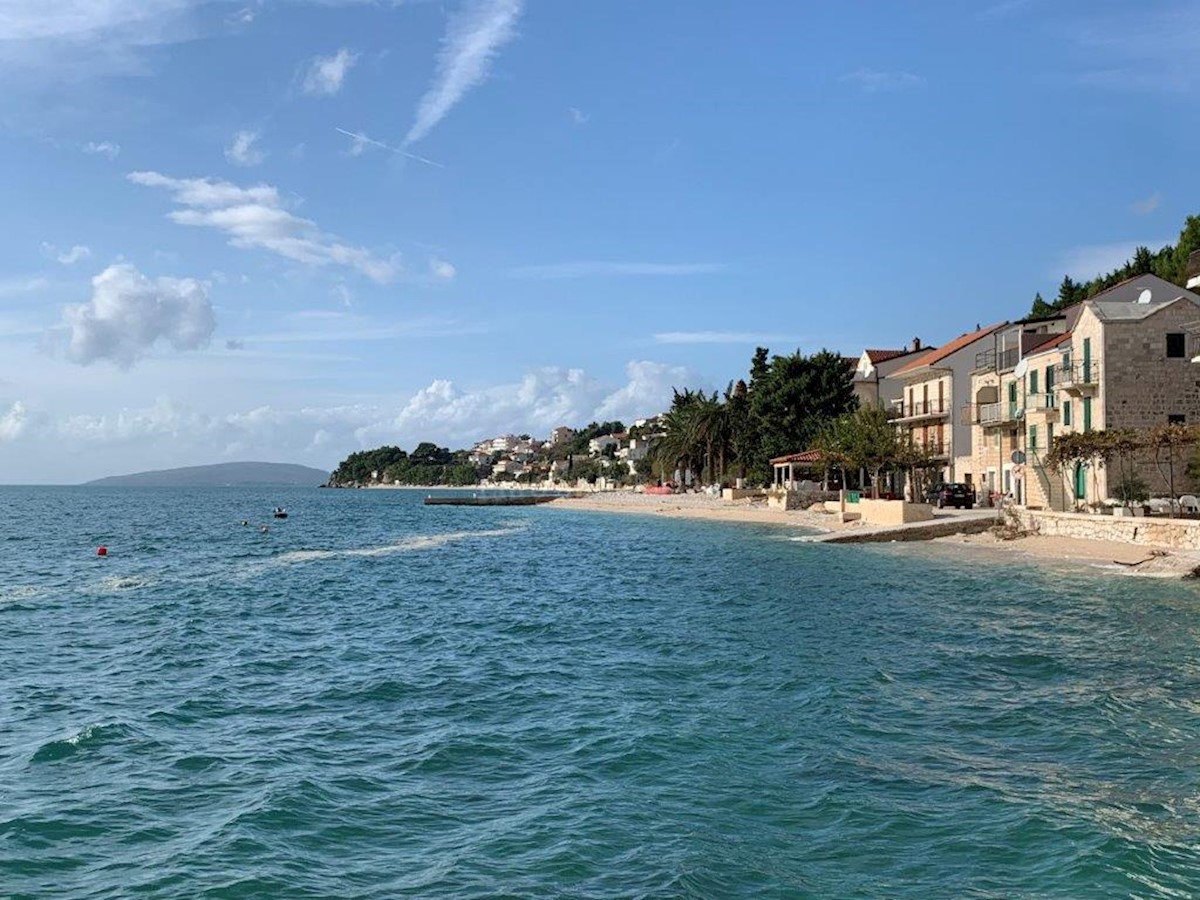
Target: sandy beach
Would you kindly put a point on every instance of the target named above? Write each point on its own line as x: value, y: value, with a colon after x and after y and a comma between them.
x: 1118, y: 558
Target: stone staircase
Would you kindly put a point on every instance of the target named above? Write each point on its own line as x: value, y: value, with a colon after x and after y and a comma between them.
x: 1045, y: 489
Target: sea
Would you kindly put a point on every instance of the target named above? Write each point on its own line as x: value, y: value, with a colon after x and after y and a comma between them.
x: 378, y: 699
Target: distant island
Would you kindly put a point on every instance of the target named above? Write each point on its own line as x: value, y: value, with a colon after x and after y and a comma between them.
x: 234, y: 474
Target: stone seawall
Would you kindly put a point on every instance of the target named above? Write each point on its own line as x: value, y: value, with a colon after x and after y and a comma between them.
x: 1175, y: 534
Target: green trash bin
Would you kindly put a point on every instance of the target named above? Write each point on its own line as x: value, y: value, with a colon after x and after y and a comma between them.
x: 853, y: 496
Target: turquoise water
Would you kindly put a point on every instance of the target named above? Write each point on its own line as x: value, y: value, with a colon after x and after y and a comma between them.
x: 376, y: 699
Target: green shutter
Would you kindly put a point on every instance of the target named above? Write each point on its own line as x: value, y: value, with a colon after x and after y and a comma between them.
x: 1033, y: 437
x: 1066, y: 412
x: 1087, y: 414
x: 1033, y: 382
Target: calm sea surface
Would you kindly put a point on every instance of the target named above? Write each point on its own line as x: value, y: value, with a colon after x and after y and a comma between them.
x: 381, y: 700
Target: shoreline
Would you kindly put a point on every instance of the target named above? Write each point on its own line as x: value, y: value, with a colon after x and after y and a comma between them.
x: 1099, y: 557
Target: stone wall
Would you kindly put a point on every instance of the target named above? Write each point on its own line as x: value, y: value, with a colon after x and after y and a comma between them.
x: 891, y: 512
x: 1176, y: 534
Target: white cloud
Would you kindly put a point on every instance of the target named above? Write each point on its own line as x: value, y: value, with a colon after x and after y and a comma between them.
x: 13, y: 422
x: 540, y: 401
x: 102, y: 148
x: 578, y: 117
x: 67, y: 257
x: 602, y: 269
x: 1147, y: 47
x: 872, y: 81
x: 327, y: 74
x: 442, y: 270
x: 128, y: 314
x: 360, y: 141
x: 1086, y: 262
x: 243, y: 152
x: 723, y: 337
x: 474, y: 36
x: 255, y: 217
x: 1148, y: 205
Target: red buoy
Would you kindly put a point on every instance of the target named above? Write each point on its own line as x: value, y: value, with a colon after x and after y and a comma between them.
x: 102, y: 551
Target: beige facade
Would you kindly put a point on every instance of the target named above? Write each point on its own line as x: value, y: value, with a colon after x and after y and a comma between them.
x: 1124, y: 363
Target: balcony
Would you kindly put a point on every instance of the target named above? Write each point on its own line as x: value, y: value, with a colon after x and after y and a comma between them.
x: 932, y: 449
x: 922, y: 409
x: 1041, y: 407
x: 990, y: 415
x: 1079, y: 379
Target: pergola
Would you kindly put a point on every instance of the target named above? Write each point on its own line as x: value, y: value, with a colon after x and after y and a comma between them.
x: 787, y: 467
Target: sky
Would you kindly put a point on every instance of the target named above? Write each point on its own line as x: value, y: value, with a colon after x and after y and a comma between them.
x: 286, y: 230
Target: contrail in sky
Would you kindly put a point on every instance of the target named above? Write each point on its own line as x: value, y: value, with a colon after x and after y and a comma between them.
x: 361, y: 139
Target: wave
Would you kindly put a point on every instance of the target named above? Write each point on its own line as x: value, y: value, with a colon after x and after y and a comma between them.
x: 112, y: 584
x: 88, y: 738
x: 408, y: 545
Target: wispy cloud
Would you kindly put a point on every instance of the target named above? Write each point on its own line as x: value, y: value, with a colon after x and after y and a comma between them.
x: 724, y: 337
x: 327, y: 74
x: 578, y: 116
x: 361, y: 141
x: 1087, y: 261
x: 872, y: 81
x: 102, y: 148
x: 255, y: 217
x: 1148, y: 205
x: 1148, y: 48
x: 67, y: 257
x: 1005, y: 8
x: 244, y: 150
x: 14, y: 287
x: 614, y: 269
x: 474, y: 35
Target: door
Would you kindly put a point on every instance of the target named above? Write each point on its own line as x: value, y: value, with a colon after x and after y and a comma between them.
x: 1080, y: 482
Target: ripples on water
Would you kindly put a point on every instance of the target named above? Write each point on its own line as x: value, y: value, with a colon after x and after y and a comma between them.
x: 377, y: 699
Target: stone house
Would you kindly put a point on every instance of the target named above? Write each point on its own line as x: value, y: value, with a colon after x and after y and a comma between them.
x: 1120, y: 360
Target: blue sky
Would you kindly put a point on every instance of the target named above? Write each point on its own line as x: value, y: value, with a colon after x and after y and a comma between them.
x: 287, y: 230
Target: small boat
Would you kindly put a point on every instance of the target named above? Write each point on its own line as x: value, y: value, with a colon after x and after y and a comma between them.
x: 280, y: 512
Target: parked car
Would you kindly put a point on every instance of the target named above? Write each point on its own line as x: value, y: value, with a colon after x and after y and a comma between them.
x: 951, y: 493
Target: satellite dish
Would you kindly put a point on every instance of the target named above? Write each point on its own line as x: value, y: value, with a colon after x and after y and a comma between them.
x: 1020, y: 413
x: 1145, y: 296
x: 1018, y: 458
x: 1022, y: 368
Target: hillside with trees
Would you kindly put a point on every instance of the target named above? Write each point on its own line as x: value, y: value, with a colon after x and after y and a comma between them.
x: 428, y: 464
x: 1168, y: 263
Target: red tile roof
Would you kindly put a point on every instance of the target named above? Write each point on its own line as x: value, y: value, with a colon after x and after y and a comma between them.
x: 935, y: 356
x: 1051, y: 344
x: 878, y: 356
x: 808, y: 456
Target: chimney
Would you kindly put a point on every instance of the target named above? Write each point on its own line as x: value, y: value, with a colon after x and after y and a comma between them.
x: 916, y: 344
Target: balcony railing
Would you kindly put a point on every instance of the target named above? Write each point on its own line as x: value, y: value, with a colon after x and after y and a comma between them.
x: 932, y: 448
x: 1041, y: 401
x: 993, y: 413
x: 1079, y: 375
x: 985, y: 359
x: 1008, y: 359
x: 923, y: 408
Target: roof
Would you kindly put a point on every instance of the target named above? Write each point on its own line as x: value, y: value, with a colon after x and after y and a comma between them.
x: 878, y: 356
x: 1121, y: 301
x: 933, y: 357
x: 808, y: 456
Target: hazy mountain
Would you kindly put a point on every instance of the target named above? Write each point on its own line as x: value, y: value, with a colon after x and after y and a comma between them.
x: 222, y: 475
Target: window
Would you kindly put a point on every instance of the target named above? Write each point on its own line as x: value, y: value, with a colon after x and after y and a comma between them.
x: 1033, y: 437
x: 1033, y: 382
x: 1066, y: 412
x: 1176, y: 345
x: 1087, y: 414
x: 1177, y: 420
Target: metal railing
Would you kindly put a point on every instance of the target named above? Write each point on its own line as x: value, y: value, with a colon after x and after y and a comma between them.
x: 924, y: 408
x: 1078, y: 375
x: 995, y: 413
